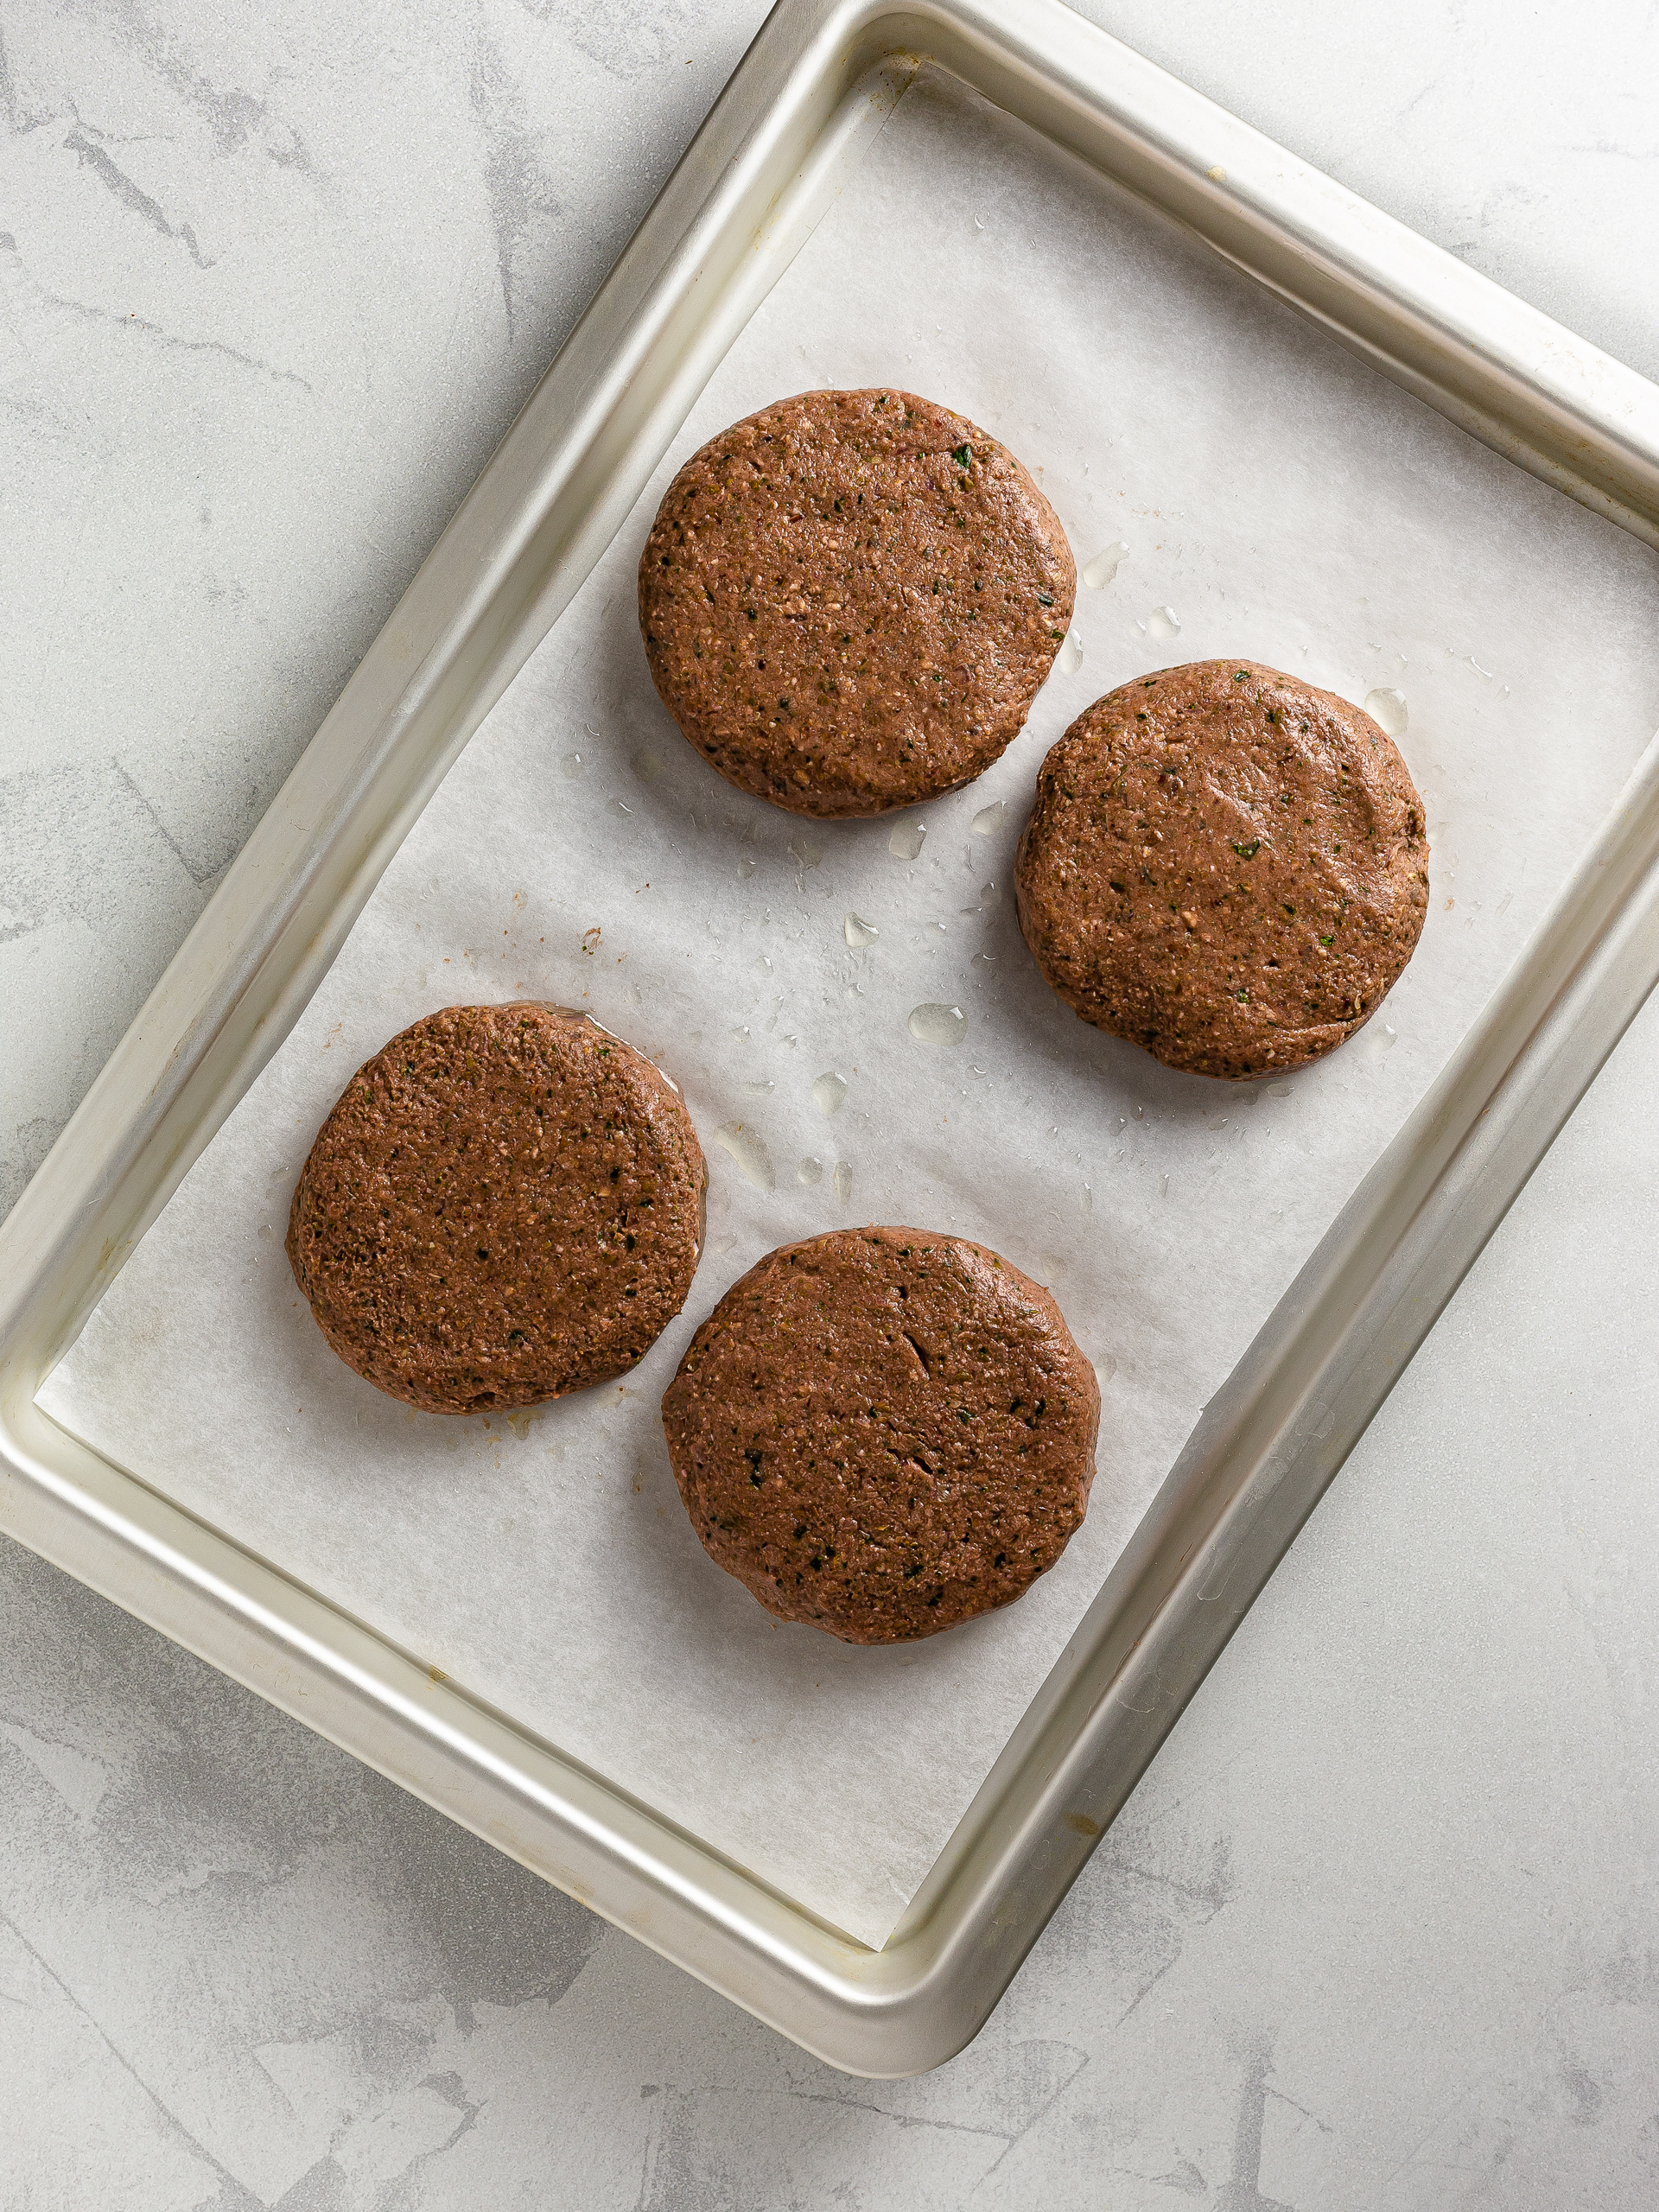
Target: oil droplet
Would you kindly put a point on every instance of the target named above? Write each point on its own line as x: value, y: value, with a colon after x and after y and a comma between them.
x: 810, y: 1171
x: 620, y: 806
x: 748, y: 1151
x: 905, y: 839
x: 987, y: 895
x: 764, y: 1086
x: 266, y: 1232
x: 937, y: 1025
x: 989, y: 819
x: 1085, y: 1200
x: 1069, y: 659
x: 571, y: 764
x: 828, y: 1093
x: 744, y: 870
x: 648, y: 763
x: 1386, y: 1037
x: 1387, y: 708
x: 858, y: 932
x: 761, y: 968
x: 984, y: 960
x: 1162, y: 623
x: 1101, y: 570
x: 1105, y: 1368
x: 803, y: 852
x: 844, y: 1180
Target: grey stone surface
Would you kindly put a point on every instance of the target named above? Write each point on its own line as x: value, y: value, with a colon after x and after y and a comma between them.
x: 1377, y: 1929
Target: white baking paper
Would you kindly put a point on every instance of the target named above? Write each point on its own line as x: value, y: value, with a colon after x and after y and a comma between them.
x: 1276, y: 499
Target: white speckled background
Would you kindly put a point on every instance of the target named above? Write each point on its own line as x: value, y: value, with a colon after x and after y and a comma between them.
x: 1377, y: 1928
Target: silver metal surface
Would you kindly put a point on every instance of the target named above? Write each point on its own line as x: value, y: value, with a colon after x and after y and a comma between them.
x: 819, y: 80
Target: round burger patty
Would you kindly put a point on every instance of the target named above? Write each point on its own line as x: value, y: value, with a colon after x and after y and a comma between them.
x: 883, y: 1432
x: 1224, y: 865
x: 504, y: 1205
x: 850, y: 599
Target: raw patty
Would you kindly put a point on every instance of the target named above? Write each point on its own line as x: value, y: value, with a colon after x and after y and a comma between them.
x: 883, y: 1433
x: 504, y: 1205
x: 1225, y: 866
x: 849, y: 601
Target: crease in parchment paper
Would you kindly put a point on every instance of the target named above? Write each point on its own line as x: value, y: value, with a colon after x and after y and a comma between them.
x: 1278, y: 499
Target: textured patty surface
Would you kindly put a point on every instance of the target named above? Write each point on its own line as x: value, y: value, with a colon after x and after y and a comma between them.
x: 1223, y: 866
x: 849, y: 601
x: 504, y: 1205
x: 884, y: 1432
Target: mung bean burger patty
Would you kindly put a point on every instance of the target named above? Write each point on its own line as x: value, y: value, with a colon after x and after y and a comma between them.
x: 849, y: 601
x: 1224, y: 865
x: 883, y: 1432
x: 504, y: 1205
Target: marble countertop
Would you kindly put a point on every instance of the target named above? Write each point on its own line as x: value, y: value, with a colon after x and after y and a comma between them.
x: 1377, y: 1928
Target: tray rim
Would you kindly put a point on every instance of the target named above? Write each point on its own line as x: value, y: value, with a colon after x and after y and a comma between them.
x: 819, y: 81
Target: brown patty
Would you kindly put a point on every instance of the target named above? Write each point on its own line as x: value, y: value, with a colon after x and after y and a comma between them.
x: 1224, y: 865
x: 504, y: 1205
x: 849, y: 601
x: 884, y: 1432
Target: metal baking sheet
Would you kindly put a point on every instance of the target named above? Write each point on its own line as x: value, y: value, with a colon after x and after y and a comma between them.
x: 581, y: 854
x: 932, y: 1982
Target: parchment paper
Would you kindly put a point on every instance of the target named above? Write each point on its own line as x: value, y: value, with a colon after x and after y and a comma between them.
x: 1284, y: 503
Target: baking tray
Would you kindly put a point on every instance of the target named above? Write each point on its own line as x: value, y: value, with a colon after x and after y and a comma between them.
x: 818, y: 82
